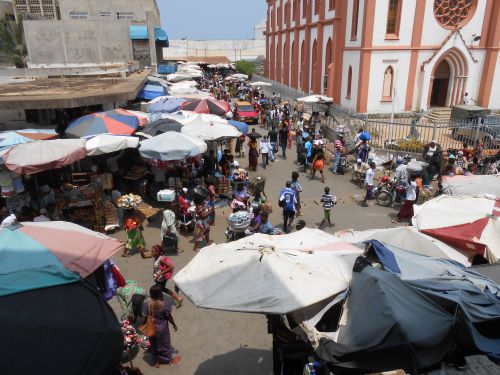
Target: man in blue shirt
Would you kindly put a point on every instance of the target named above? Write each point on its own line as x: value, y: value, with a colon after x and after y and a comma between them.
x: 308, y: 148
x: 288, y: 200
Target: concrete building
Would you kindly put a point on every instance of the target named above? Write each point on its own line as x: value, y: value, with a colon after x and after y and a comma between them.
x: 41, y: 8
x: 384, y: 55
x: 233, y: 49
x: 7, y: 9
x: 92, y: 32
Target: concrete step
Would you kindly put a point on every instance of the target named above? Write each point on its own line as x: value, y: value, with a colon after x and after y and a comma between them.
x: 439, y: 114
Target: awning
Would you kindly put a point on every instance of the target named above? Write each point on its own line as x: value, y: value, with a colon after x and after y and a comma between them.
x: 140, y: 32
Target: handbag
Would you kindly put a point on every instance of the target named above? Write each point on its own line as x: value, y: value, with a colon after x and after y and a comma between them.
x: 148, y: 328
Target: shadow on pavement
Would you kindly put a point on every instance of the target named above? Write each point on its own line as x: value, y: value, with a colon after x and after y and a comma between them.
x: 242, y: 361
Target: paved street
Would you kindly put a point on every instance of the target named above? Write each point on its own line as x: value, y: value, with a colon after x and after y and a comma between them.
x: 217, y: 342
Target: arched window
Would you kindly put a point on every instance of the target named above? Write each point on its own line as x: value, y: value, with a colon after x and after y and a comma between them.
x: 354, y: 22
x: 328, y: 62
x: 387, y: 86
x: 393, y: 19
x: 349, y: 83
x: 304, y: 8
x: 285, y: 59
x: 331, y: 4
x: 302, y: 72
x: 314, y: 65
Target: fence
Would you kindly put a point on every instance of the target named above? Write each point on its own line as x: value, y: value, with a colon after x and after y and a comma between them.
x: 406, y: 134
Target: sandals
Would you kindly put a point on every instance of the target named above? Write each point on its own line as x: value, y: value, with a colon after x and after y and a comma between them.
x: 175, y: 361
x: 179, y: 302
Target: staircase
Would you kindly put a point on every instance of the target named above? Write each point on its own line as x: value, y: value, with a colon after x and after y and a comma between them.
x: 439, y: 114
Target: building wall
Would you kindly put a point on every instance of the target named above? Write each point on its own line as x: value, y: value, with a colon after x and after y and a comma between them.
x: 73, y: 42
x: 420, y: 45
x: 6, y: 9
x: 260, y: 31
x: 94, y: 7
x: 248, y: 49
x: 43, y: 8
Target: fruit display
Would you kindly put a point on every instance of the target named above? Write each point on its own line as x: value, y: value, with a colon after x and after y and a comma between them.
x: 129, y: 201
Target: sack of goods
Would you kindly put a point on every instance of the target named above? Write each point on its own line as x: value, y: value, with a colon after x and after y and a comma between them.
x: 239, y: 221
x: 256, y: 185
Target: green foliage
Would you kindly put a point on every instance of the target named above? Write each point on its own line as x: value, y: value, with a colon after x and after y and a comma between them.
x: 12, y: 42
x: 245, y: 67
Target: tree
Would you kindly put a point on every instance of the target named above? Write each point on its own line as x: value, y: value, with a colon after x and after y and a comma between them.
x: 12, y: 43
x: 245, y: 67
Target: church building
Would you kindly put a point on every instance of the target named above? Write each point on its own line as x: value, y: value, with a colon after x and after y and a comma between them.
x: 384, y: 55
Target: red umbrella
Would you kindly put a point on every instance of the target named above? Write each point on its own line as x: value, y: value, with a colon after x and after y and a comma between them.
x: 208, y: 106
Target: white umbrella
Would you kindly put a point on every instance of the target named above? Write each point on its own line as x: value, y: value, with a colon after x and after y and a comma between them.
x: 213, y: 131
x: 407, y: 238
x: 263, y: 279
x: 182, y: 90
x: 466, y: 222
x: 475, y: 184
x: 260, y: 83
x: 239, y: 76
x: 172, y: 146
x: 315, y: 99
x: 176, y: 77
x: 106, y: 144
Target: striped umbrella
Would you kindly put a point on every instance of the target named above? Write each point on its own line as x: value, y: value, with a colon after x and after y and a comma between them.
x: 208, y: 106
x: 116, y: 121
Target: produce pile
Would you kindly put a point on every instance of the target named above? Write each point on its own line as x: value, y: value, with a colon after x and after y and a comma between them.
x: 129, y: 201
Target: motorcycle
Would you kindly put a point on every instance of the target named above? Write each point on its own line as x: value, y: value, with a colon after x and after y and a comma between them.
x: 393, y: 192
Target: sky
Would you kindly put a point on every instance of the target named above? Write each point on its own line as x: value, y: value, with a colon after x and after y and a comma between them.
x: 211, y: 19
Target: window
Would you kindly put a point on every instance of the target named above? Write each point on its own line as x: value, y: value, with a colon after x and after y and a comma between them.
x: 354, y: 23
x: 331, y: 4
x: 328, y: 62
x: 316, y: 6
x: 105, y: 14
x: 78, y: 15
x: 387, y: 86
x: 304, y: 8
x: 393, y: 18
x: 296, y: 8
x: 125, y: 15
x: 349, y: 83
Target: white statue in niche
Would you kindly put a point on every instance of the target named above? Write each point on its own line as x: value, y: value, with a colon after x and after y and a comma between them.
x: 387, y: 88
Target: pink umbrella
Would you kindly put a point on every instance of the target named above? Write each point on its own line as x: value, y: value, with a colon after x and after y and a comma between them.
x: 40, y: 156
x: 466, y: 222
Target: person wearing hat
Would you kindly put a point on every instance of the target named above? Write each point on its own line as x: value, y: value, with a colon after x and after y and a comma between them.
x: 42, y: 217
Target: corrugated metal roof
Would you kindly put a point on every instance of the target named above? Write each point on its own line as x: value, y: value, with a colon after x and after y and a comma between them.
x: 140, y: 32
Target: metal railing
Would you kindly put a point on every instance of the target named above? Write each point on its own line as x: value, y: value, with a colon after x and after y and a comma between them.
x: 407, y: 133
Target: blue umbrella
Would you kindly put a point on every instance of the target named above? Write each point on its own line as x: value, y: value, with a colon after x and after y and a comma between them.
x: 167, y: 105
x: 241, y: 126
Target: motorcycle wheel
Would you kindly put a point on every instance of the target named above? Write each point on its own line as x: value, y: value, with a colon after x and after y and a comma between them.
x: 384, y: 198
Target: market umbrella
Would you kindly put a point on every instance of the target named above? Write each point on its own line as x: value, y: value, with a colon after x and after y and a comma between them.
x: 241, y: 126
x: 40, y: 156
x: 171, y: 146
x: 260, y: 83
x: 211, y: 131
x: 262, y: 279
x: 466, y: 222
x: 474, y: 184
x: 315, y: 99
x: 66, y: 329
x: 162, y: 126
x: 116, y: 121
x: 38, y: 134
x: 168, y: 105
x: 45, y: 254
x: 106, y: 144
x: 240, y: 76
x: 209, y: 106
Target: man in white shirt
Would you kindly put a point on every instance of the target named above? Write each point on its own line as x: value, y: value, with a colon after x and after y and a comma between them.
x: 265, y: 146
x: 400, y: 173
x: 370, y: 173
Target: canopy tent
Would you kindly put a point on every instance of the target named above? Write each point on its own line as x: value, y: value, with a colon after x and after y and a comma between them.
x: 162, y: 126
x: 207, y: 106
x: 9, y: 139
x: 168, y: 105
x: 106, y: 144
x: 178, y: 77
x: 189, y: 83
x: 151, y: 91
x: 182, y: 91
x: 407, y: 238
x: 211, y: 131
x: 315, y: 99
x: 40, y: 156
x: 66, y: 329
x: 412, y: 303
x: 171, y: 146
x: 46, y: 254
x: 476, y: 184
x: 465, y: 222
x: 116, y: 121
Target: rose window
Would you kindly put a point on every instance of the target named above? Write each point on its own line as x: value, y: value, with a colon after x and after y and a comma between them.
x: 452, y: 14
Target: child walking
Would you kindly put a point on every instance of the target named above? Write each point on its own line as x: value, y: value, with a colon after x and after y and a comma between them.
x: 328, y: 202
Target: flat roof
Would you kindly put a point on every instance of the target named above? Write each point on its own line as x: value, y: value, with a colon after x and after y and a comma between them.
x: 53, y: 93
